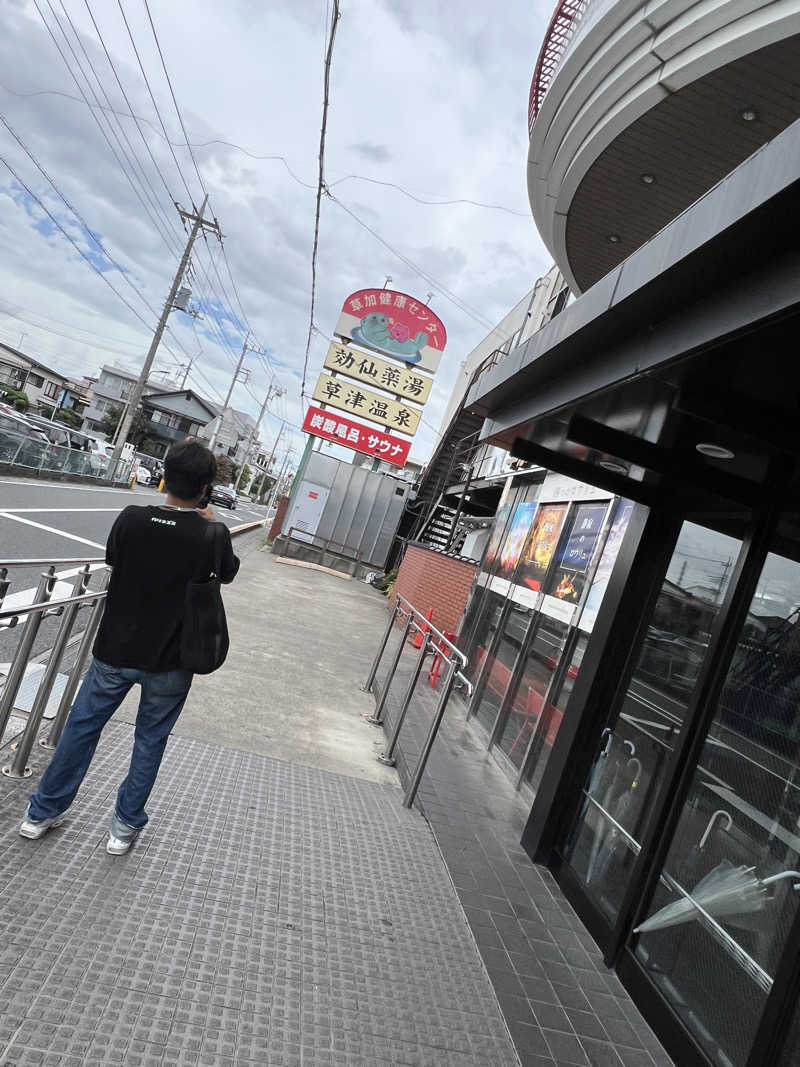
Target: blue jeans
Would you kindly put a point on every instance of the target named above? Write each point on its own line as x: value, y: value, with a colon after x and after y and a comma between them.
x: 101, y: 693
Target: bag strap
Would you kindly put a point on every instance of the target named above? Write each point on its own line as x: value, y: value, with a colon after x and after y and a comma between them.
x: 216, y: 535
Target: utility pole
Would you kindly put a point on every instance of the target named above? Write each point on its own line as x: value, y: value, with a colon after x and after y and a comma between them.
x: 186, y: 372
x: 246, y: 347
x: 274, y: 390
x: 198, y: 223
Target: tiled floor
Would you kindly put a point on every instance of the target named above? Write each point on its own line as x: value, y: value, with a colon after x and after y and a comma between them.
x: 562, y: 1004
x: 270, y: 914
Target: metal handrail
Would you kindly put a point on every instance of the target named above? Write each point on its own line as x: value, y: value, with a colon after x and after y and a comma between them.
x: 47, y: 562
x: 456, y: 662
x: 47, y: 605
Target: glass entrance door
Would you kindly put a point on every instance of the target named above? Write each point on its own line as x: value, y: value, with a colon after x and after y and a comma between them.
x: 713, y: 936
x: 641, y: 730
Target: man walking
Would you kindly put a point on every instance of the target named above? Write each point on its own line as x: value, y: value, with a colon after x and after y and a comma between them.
x: 154, y: 553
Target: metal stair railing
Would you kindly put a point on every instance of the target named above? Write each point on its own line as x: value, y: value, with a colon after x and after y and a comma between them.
x: 433, y: 640
x: 33, y: 614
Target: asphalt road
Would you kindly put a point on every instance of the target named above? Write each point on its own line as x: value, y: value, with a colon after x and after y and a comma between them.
x: 52, y: 521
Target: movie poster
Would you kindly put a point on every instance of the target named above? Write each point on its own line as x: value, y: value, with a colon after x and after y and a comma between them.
x: 498, y: 530
x: 541, y: 545
x: 515, y: 539
x: 615, y: 537
x: 577, y: 552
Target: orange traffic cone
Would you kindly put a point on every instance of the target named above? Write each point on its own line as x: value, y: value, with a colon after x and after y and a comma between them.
x: 420, y: 635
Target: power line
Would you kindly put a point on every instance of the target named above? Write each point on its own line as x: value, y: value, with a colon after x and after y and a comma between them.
x: 471, y: 312
x: 153, y: 99
x: 446, y: 202
x: 320, y: 188
x: 172, y: 94
x: 100, y: 126
x: 433, y: 203
x: 145, y: 142
x: 134, y: 159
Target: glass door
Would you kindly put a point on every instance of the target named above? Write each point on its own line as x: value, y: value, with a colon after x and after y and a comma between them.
x: 640, y: 733
x: 729, y: 891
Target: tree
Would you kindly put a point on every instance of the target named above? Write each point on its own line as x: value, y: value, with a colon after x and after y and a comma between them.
x: 140, y: 426
x: 15, y: 397
x: 69, y: 418
x: 247, y: 474
x: 226, y: 471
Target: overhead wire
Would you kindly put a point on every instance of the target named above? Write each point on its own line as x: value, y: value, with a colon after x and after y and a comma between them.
x: 118, y: 80
x: 133, y: 159
x: 320, y: 189
x: 153, y: 100
x: 172, y: 94
x: 100, y: 126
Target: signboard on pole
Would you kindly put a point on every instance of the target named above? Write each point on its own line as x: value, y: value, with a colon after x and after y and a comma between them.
x: 376, y: 407
x: 394, y: 324
x: 367, y: 439
x: 398, y: 379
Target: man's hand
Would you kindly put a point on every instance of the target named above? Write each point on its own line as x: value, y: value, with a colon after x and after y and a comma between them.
x: 207, y: 513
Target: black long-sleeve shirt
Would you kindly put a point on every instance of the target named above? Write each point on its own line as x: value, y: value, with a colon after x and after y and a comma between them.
x: 154, y: 553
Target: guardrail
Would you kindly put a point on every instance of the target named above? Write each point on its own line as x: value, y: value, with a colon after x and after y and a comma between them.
x: 433, y: 641
x: 68, y: 608
x: 21, y: 450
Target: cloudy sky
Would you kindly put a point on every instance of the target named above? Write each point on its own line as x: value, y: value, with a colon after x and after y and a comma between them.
x: 429, y: 96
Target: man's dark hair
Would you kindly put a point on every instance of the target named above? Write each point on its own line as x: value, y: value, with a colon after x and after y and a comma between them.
x: 188, y: 468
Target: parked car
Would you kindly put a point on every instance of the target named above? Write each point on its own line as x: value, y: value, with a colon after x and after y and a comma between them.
x: 223, y: 494
x: 154, y: 465
x: 15, y: 431
x: 142, y: 474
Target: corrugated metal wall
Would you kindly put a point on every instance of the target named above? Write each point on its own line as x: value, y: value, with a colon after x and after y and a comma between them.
x: 363, y: 509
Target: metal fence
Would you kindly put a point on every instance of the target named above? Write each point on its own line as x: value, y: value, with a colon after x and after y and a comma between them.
x: 31, y: 615
x: 431, y: 642
x: 22, y: 450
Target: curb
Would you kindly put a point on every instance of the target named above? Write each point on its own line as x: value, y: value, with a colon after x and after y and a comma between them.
x: 234, y: 530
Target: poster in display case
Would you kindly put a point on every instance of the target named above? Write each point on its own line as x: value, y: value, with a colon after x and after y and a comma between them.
x: 498, y: 530
x: 515, y: 539
x: 576, y: 552
x: 611, y: 549
x: 541, y: 545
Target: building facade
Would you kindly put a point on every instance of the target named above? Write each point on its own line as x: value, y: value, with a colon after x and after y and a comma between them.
x: 633, y: 631
x: 43, y: 386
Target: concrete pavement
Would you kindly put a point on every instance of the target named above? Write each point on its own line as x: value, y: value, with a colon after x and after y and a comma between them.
x: 301, y: 646
x: 281, y: 909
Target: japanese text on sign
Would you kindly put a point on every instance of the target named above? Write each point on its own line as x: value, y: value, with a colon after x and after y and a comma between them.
x: 374, y: 407
x: 372, y: 370
x: 353, y: 435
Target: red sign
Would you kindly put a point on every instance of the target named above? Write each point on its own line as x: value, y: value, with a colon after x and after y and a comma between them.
x: 394, y: 324
x: 356, y: 436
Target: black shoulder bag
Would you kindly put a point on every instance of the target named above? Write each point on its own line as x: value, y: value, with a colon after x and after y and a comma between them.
x: 204, y: 638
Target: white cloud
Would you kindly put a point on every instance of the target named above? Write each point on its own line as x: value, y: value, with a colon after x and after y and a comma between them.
x: 431, y: 97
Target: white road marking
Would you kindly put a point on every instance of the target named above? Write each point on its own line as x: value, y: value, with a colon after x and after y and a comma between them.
x: 51, y: 529
x: 45, y: 511
x: 75, y: 488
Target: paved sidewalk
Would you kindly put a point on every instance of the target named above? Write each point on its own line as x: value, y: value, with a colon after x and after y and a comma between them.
x: 271, y: 914
x: 274, y: 911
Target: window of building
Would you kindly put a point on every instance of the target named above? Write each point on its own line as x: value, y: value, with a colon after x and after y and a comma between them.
x: 35, y: 380
x: 51, y: 389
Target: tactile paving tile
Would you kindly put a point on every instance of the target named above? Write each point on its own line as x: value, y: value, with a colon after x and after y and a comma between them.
x: 270, y: 913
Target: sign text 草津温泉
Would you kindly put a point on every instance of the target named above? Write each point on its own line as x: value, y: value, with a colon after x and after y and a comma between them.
x: 371, y: 370
x: 375, y: 407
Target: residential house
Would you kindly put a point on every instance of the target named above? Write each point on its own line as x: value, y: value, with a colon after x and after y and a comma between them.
x: 43, y: 386
x: 174, y: 416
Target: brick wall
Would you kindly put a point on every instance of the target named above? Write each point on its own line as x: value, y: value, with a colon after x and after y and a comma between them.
x: 429, y: 579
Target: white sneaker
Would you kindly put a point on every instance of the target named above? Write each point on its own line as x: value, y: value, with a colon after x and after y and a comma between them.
x: 115, y: 846
x: 33, y: 829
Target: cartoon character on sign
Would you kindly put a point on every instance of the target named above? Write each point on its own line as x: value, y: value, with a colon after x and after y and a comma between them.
x: 394, y: 338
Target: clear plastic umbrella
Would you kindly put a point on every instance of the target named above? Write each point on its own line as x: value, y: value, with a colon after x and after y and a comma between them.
x: 727, y: 892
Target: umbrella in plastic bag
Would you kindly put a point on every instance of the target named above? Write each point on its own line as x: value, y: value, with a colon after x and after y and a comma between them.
x: 724, y: 893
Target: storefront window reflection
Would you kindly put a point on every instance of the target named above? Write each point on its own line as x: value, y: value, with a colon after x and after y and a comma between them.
x: 718, y: 925
x: 530, y: 711
x: 639, y: 738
